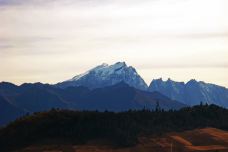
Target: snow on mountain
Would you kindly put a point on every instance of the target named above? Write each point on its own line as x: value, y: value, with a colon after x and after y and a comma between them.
x: 191, y: 93
x: 107, y: 75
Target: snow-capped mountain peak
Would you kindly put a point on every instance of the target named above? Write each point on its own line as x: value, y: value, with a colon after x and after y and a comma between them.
x: 105, y: 75
x: 96, y: 69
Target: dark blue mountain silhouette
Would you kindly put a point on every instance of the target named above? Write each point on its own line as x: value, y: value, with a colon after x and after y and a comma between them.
x: 41, y: 97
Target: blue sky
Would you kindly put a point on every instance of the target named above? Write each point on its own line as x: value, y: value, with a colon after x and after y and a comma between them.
x: 54, y: 40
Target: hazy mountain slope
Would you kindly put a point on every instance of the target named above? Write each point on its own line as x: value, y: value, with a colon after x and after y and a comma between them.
x: 192, y: 92
x: 164, y: 102
x: 121, y: 97
x: 30, y: 97
x: 8, y: 112
x: 172, y: 89
x: 37, y: 99
x: 107, y: 75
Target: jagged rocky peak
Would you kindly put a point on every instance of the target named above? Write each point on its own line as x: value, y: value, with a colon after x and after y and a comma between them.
x: 169, y: 80
x: 162, y: 82
x: 106, y: 75
x: 103, y: 69
x: 191, y: 93
x: 192, y: 81
x: 157, y: 80
x: 119, y: 64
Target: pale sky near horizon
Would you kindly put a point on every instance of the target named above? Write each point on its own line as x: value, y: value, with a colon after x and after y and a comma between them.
x: 53, y: 40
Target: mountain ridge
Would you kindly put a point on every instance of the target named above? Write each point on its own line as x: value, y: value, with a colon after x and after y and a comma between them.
x: 30, y: 98
x: 106, y: 75
x: 192, y: 92
x: 116, y: 87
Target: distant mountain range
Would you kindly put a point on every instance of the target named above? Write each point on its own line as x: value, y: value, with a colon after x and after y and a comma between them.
x: 116, y: 87
x: 28, y: 98
x: 192, y: 93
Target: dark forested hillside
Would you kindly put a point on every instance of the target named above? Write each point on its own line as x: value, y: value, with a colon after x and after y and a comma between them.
x: 122, y: 129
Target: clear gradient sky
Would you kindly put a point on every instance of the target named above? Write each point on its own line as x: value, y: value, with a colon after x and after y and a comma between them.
x: 53, y: 40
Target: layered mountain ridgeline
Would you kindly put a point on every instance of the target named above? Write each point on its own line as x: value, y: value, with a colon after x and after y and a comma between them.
x: 29, y: 98
x: 121, y: 129
x: 192, y: 92
x: 116, y: 87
